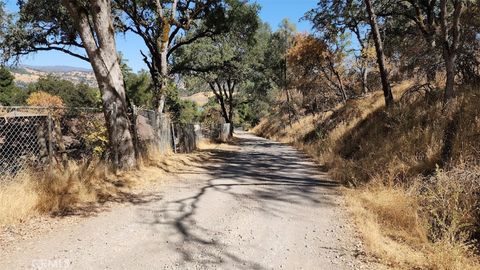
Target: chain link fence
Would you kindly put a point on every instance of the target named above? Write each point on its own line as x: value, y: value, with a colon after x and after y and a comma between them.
x: 34, y: 138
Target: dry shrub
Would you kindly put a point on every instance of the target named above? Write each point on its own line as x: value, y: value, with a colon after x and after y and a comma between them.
x: 410, y: 139
x: 84, y: 185
x: 386, y: 219
x: 451, y: 203
x: 44, y: 99
x: 319, y: 134
x: 64, y: 191
x: 389, y: 150
x: 60, y: 191
x: 396, y: 229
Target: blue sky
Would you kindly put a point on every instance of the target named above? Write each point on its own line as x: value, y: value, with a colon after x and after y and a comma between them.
x: 273, y: 11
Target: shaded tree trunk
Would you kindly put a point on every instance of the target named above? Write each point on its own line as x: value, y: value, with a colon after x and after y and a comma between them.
x: 231, y: 89
x: 162, y: 44
x: 98, y: 37
x: 450, y: 72
x: 341, y: 86
x: 387, y: 90
x: 432, y: 70
x: 451, y: 40
x: 224, y: 94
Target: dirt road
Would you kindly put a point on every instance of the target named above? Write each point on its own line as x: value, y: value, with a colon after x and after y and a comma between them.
x: 262, y: 205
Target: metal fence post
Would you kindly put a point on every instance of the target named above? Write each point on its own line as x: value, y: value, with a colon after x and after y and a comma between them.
x: 50, y: 138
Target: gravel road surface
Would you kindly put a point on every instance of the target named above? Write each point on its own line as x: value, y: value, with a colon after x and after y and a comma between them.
x: 259, y: 205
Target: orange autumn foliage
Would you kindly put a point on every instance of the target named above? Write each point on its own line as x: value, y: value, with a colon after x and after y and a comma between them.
x: 44, y: 99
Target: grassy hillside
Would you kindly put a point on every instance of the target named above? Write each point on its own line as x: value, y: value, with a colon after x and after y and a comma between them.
x: 26, y: 75
x: 412, y: 171
x: 200, y: 98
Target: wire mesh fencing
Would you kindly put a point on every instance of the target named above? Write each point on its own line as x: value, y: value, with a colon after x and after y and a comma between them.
x: 35, y: 138
x: 22, y: 140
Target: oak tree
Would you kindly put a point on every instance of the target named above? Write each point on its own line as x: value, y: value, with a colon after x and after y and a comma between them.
x: 83, y: 29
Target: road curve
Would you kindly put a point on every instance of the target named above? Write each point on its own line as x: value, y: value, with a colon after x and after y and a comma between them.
x: 261, y: 206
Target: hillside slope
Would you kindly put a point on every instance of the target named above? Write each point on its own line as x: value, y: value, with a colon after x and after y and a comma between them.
x: 414, y: 168
x: 27, y: 74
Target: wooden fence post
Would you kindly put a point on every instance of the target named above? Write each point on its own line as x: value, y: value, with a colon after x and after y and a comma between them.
x: 136, y: 139
x: 156, y: 130
x: 174, y: 137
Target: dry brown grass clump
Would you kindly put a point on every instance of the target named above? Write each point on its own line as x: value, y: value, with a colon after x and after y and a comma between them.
x: 18, y: 200
x: 396, y: 228
x: 85, y: 184
x: 30, y: 194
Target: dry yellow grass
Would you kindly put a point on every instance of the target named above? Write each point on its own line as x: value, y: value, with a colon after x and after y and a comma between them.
x: 18, y: 201
x: 396, y: 235
x: 201, y: 98
x: 80, y: 185
x: 408, y: 221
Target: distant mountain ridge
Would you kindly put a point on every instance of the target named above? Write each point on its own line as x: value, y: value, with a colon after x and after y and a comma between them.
x: 25, y: 74
x: 57, y: 69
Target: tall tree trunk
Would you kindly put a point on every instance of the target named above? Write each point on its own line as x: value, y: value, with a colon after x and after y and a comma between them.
x: 231, y: 89
x: 387, y: 90
x: 432, y: 70
x: 451, y: 40
x: 164, y: 79
x: 217, y: 89
x: 341, y: 86
x: 364, y: 80
x: 164, y: 20
x: 450, y: 80
x: 162, y: 69
x: 99, y: 42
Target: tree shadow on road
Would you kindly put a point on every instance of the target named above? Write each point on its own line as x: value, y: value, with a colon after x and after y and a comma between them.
x: 268, y: 175
x: 104, y: 204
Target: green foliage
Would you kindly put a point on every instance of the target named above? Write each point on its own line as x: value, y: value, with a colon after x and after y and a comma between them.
x: 80, y: 95
x: 5, y: 23
x: 10, y: 94
x: 193, y: 85
x: 227, y: 55
x: 40, y: 25
x: 241, y: 58
x: 211, y: 113
x: 139, y: 88
x: 182, y: 111
x: 2, y: 18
